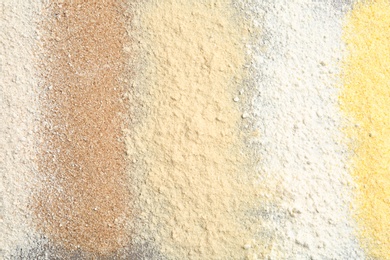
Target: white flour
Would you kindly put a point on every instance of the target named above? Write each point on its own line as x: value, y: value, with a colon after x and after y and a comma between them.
x: 295, y: 63
x: 17, y: 110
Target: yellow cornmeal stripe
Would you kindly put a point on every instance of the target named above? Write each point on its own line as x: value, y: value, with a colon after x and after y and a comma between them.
x: 366, y: 99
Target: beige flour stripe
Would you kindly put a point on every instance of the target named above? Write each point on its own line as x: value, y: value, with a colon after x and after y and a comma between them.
x: 84, y: 200
x: 196, y: 189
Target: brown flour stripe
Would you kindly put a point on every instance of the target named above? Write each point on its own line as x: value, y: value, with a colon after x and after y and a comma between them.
x: 84, y: 200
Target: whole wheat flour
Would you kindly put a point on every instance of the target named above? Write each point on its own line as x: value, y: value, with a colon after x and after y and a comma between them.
x: 83, y: 200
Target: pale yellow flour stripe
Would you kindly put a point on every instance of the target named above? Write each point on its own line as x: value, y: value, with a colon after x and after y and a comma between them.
x: 195, y: 191
x: 366, y: 99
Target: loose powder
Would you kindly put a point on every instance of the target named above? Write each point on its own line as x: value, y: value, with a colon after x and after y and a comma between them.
x: 301, y: 156
x: 18, y: 110
x: 196, y: 190
x: 193, y: 189
x: 366, y: 99
x: 83, y: 201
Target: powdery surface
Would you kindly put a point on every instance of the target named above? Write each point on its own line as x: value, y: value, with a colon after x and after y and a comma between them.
x: 185, y: 126
x: 195, y: 191
x: 365, y: 100
x: 295, y: 110
x: 83, y: 201
x: 17, y: 113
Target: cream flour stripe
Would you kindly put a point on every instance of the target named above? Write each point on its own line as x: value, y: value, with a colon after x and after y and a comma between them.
x: 17, y: 114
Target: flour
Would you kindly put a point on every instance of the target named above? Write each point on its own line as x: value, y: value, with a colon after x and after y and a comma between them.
x: 295, y: 65
x: 84, y: 200
x: 196, y: 189
x: 17, y: 113
x: 234, y: 146
x: 365, y: 100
